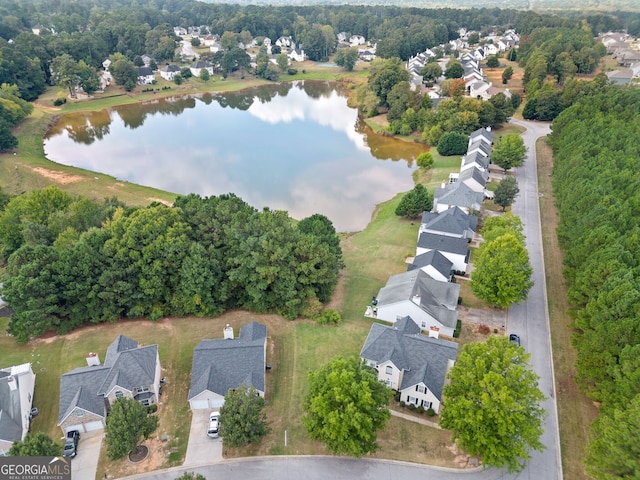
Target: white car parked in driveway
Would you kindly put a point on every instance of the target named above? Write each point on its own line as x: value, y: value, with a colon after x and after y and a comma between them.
x: 214, y: 424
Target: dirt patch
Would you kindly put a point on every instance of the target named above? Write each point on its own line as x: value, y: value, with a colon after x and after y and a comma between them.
x: 160, y: 200
x: 62, y: 178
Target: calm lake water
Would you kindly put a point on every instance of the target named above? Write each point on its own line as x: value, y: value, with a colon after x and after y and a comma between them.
x: 294, y: 147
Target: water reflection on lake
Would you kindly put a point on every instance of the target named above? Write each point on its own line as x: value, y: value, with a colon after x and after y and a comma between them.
x: 294, y: 147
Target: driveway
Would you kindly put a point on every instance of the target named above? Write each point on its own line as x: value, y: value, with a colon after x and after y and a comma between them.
x: 85, y: 464
x: 201, y: 449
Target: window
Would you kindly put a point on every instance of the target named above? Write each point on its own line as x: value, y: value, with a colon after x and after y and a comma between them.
x: 119, y: 394
x: 79, y: 413
x: 142, y: 389
x: 426, y: 405
x: 146, y: 403
x: 421, y: 389
x: 413, y: 400
x: 389, y: 370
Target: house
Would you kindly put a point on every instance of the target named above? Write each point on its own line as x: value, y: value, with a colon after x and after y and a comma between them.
x: 434, y: 264
x: 453, y: 222
x: 474, y: 178
x: 480, y: 90
x: 86, y: 393
x: 147, y: 59
x: 342, y: 36
x: 209, y: 40
x: 285, y: 42
x: 296, y: 55
x: 145, y: 76
x: 356, y: 40
x: 430, y: 303
x: 366, y: 54
x: 413, y: 364
x: 491, y: 49
x: 475, y: 160
x: 168, y: 72
x: 179, y: 31
x: 455, y: 249
x: 220, y: 365
x: 482, y: 134
x: 198, y: 66
x: 457, y: 195
x: 106, y: 63
x: 17, y: 384
x: 37, y: 29
x: 479, y: 146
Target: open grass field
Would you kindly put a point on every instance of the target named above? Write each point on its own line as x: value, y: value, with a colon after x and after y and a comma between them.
x: 575, y: 410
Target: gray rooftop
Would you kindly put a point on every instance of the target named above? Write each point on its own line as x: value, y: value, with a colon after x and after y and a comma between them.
x: 222, y: 364
x: 474, y: 173
x: 480, y: 146
x: 484, y: 133
x: 423, y: 359
x: 443, y: 243
x: 10, y: 411
x: 453, y: 220
x: 434, y: 258
x: 436, y: 298
x: 476, y: 157
x: 457, y: 194
x: 126, y: 365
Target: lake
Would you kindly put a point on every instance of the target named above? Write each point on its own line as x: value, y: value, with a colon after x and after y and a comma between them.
x: 293, y: 146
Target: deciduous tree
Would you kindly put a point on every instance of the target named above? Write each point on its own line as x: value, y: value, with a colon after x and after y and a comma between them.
x: 128, y: 423
x: 242, y: 419
x: 345, y: 407
x: 502, y: 273
x: 493, y: 404
x: 506, y: 192
x: 37, y: 444
x: 346, y: 58
x: 509, y: 152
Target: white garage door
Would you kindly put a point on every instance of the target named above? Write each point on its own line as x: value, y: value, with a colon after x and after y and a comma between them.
x: 216, y: 402
x: 79, y: 427
x: 199, y: 404
x: 92, y: 426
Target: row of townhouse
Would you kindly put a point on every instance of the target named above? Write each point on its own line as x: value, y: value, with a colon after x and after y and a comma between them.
x: 424, y: 298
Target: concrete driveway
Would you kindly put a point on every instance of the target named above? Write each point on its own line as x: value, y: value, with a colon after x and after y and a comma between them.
x: 85, y: 464
x: 201, y: 449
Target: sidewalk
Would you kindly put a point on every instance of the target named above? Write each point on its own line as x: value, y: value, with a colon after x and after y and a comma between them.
x: 411, y: 418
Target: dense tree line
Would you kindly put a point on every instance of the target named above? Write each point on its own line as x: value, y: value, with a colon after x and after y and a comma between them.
x: 596, y: 183
x: 71, y: 262
x: 551, y: 58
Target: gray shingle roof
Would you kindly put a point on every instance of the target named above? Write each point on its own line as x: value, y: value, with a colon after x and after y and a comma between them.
x: 459, y: 195
x: 475, y: 174
x: 144, y: 71
x: 436, y: 298
x: 434, y: 258
x: 222, y: 364
x: 483, y: 133
x: 10, y: 411
x: 443, y: 243
x: 79, y: 388
x: 476, y: 157
x: 453, y: 221
x: 126, y: 365
x: 481, y: 146
x: 423, y: 359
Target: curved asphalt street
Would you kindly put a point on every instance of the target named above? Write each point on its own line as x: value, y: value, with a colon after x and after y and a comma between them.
x: 528, y: 319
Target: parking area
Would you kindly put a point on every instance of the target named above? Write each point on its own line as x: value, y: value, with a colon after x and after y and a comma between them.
x: 85, y: 463
x: 201, y: 449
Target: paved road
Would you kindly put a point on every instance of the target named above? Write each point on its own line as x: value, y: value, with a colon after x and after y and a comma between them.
x: 529, y: 319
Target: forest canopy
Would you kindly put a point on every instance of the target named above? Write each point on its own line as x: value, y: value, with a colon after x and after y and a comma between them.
x: 74, y: 262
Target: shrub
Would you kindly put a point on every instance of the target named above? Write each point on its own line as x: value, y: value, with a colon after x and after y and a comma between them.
x: 456, y: 331
x: 431, y: 412
x: 453, y: 143
x: 152, y: 408
x: 495, y: 330
x: 420, y: 409
x: 59, y: 101
x: 329, y: 317
x: 402, y: 404
x: 292, y: 71
x: 412, y: 407
x: 483, y: 329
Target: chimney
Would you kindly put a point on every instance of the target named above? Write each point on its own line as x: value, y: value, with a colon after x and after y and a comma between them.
x: 443, y: 184
x: 228, y: 332
x: 92, y: 359
x: 434, y: 332
x: 13, y: 385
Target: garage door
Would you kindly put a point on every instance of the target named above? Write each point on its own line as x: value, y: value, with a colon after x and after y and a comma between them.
x: 199, y: 404
x: 93, y: 426
x: 216, y: 402
x: 79, y: 427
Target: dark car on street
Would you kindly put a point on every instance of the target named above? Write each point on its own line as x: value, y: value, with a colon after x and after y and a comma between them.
x: 514, y: 338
